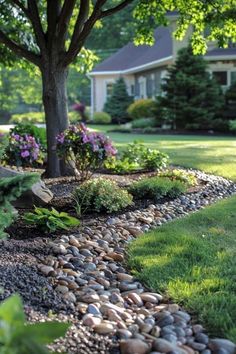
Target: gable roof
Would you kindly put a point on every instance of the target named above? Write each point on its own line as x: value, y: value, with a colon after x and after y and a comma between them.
x: 132, y: 58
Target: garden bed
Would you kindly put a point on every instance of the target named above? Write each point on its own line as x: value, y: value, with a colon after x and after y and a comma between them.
x: 85, y: 272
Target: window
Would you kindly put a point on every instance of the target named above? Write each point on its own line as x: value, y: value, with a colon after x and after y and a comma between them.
x: 232, y: 77
x: 109, y: 88
x: 221, y: 77
x: 142, y: 87
x: 132, y: 90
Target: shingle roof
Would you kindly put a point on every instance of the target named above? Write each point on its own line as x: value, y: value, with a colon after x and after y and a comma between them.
x: 131, y: 56
x: 221, y: 52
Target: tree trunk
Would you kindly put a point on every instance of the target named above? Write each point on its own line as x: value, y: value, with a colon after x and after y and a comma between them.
x: 55, y: 106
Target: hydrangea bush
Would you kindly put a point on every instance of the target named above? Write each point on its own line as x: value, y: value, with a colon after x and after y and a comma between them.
x: 23, y: 150
x: 87, y: 150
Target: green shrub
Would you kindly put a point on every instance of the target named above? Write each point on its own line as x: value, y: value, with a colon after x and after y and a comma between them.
x: 187, y: 178
x: 26, y: 128
x: 143, y: 123
x: 121, y: 165
x: 101, y: 195
x: 101, y: 118
x: 144, y: 108
x: 50, y: 220
x: 10, y: 189
x: 17, y: 337
x: 156, y: 188
x: 232, y: 125
x: 29, y: 117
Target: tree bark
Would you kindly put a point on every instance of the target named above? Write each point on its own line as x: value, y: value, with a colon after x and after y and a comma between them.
x: 55, y: 106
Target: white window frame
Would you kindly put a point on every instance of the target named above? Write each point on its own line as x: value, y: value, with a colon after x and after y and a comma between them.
x: 142, y: 81
x: 108, y: 81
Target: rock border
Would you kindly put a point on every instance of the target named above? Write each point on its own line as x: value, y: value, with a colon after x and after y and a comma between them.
x: 87, y: 270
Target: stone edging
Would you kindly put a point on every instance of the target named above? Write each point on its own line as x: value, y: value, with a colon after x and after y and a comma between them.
x: 86, y: 269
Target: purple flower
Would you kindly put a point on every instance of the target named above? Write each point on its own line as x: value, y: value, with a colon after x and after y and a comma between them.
x: 25, y: 153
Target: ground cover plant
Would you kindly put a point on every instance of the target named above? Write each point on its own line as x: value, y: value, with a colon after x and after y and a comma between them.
x: 101, y: 195
x: 87, y: 150
x: 186, y: 177
x: 156, y: 188
x: 192, y: 261
x: 17, y: 337
x: 50, y: 220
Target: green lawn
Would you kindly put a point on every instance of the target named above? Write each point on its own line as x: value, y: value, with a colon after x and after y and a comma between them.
x: 216, y: 155
x: 192, y: 261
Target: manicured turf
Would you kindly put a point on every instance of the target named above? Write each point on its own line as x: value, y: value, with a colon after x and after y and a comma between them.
x: 193, y: 261
x: 216, y: 155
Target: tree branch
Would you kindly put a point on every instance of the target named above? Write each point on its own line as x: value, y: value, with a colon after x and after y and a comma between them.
x: 20, y: 6
x: 36, y: 24
x: 82, y: 28
x: 115, y: 9
x: 19, y: 50
x: 53, y: 12
x: 64, y: 19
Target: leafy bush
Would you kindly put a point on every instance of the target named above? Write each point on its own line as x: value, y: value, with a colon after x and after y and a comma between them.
x: 187, y: 178
x: 88, y: 150
x: 18, y: 337
x: 136, y: 156
x: 143, y: 108
x: 156, y: 188
x: 29, y: 129
x: 24, y: 150
x: 101, y: 195
x: 232, y: 125
x: 143, y: 123
x: 50, y: 220
x: 11, y: 189
x: 101, y: 118
x: 3, y: 144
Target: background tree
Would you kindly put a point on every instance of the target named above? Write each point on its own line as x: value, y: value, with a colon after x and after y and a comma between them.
x: 51, y: 33
x: 192, y: 99
x: 118, y: 103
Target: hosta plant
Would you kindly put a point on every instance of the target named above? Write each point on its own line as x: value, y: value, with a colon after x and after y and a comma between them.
x: 87, y: 150
x: 17, y: 337
x: 50, y: 220
x: 101, y: 195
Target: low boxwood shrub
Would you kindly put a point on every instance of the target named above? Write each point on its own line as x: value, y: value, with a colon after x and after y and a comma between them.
x: 88, y: 150
x: 143, y: 123
x: 101, y: 118
x: 156, y: 188
x: 29, y: 117
x: 180, y: 175
x: 101, y: 195
x: 143, y: 108
x: 50, y: 220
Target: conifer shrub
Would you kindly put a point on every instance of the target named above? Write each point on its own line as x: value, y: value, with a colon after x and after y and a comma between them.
x: 118, y: 103
x: 11, y: 188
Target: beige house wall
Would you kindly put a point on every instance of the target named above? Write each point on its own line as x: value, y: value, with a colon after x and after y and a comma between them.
x: 100, y: 82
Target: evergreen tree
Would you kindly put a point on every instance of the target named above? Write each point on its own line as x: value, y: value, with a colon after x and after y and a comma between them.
x: 118, y: 103
x: 192, y: 99
x: 230, y: 102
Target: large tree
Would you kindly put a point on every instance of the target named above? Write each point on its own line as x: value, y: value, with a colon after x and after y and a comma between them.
x: 51, y: 34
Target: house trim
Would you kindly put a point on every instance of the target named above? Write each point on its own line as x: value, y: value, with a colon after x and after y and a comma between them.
x: 220, y: 57
x: 134, y: 69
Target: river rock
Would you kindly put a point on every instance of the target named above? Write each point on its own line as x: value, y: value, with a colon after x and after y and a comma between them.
x: 217, y: 344
x: 134, y: 346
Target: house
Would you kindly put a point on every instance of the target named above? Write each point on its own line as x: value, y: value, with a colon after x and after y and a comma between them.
x: 143, y: 67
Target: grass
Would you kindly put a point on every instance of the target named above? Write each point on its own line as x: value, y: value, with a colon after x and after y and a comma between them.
x: 192, y: 261
x: 211, y: 154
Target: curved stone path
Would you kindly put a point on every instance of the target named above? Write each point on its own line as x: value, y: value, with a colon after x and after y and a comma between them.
x: 88, y: 272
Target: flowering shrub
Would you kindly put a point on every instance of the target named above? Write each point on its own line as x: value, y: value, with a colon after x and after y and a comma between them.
x: 88, y: 150
x: 23, y: 150
x: 101, y: 195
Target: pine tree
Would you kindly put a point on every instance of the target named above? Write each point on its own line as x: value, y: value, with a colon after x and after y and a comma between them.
x: 191, y: 99
x: 118, y: 103
x: 230, y: 102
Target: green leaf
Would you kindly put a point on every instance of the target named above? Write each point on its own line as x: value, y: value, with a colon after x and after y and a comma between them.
x: 46, y: 333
